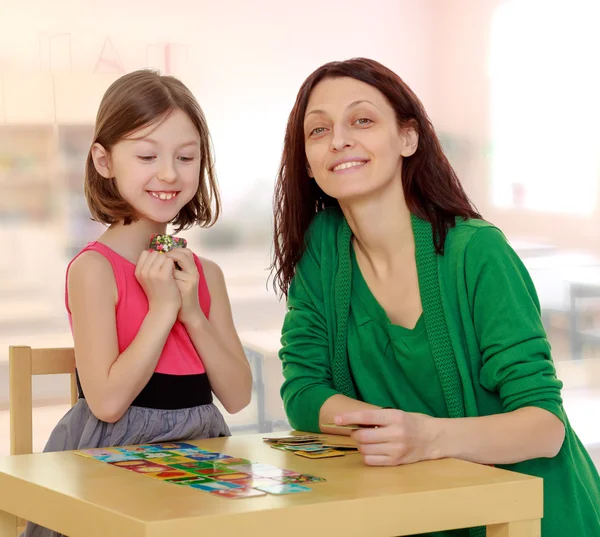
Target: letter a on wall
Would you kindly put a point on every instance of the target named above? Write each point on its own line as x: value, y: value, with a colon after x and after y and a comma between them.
x: 109, y: 61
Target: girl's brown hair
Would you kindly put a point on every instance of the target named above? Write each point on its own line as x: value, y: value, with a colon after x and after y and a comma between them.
x: 431, y: 187
x: 134, y: 101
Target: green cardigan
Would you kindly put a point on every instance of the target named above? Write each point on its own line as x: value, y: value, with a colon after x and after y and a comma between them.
x: 489, y: 346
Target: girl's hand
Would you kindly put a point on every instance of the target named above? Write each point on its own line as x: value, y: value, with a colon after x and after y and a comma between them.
x: 186, y: 280
x: 154, y: 272
x: 394, y: 437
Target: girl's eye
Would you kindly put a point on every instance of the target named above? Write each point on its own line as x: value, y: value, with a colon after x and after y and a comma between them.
x: 146, y: 158
x: 186, y: 159
x: 363, y: 121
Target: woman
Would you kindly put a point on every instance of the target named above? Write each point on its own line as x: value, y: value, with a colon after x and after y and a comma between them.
x: 406, y: 309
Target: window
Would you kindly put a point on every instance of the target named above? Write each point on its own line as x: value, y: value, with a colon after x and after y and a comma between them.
x: 545, y: 105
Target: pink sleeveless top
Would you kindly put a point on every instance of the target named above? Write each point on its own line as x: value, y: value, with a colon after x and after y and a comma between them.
x: 179, y: 356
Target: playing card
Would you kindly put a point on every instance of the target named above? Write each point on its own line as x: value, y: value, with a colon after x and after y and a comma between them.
x: 307, y: 447
x: 291, y: 439
x: 171, y: 473
x: 302, y: 478
x: 238, y: 493
x: 319, y: 454
x: 230, y: 477
x: 284, y: 489
x: 193, y: 480
x: 278, y: 472
x: 208, y: 456
x: 232, y: 461
x: 252, y: 468
x: 256, y: 481
x: 115, y: 456
x: 141, y: 466
x: 209, y: 486
x: 155, y: 455
x: 352, y: 426
x: 168, y: 461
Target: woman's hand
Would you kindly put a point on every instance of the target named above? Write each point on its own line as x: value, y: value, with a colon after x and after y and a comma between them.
x: 187, y: 280
x: 154, y: 272
x: 392, y: 437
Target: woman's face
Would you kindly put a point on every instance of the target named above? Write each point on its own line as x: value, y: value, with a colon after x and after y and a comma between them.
x: 354, y: 146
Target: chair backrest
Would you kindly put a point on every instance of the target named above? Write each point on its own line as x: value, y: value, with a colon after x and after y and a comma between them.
x: 23, y: 363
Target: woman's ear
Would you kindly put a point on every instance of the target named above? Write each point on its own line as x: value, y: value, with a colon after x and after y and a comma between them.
x: 410, y: 141
x: 102, y: 163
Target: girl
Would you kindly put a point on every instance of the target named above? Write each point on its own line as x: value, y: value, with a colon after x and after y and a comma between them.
x: 152, y: 342
x: 406, y: 310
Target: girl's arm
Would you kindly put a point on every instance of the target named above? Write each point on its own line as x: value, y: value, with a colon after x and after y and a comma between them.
x: 219, y: 345
x: 215, y: 340
x: 111, y: 381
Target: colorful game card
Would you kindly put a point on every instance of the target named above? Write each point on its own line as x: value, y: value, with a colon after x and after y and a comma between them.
x: 320, y: 454
x: 141, y: 466
x: 302, y: 478
x: 183, y: 464
x: 216, y: 485
x: 230, y: 477
x: 171, y: 473
x: 207, y: 456
x: 254, y: 481
x: 307, y: 447
x: 238, y: 493
x: 275, y: 474
x: 284, y: 489
x: 233, y: 461
x: 154, y: 455
x: 291, y: 439
x: 169, y: 460
x: 193, y: 480
x: 252, y: 468
x: 115, y: 456
x: 352, y: 426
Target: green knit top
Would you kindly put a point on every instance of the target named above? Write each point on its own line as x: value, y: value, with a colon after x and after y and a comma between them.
x: 488, y: 344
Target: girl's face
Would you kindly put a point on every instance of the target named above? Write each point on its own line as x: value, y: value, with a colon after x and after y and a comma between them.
x: 354, y: 146
x: 157, y: 168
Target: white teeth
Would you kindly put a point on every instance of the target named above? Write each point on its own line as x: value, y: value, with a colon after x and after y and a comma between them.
x: 163, y: 195
x: 346, y: 165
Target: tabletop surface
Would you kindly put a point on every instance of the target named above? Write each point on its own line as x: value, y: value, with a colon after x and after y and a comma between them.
x: 97, y: 489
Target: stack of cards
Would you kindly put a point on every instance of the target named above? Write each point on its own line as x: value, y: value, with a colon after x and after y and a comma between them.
x: 309, y: 446
x: 217, y: 473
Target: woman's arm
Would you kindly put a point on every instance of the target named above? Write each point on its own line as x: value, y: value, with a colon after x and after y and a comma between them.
x: 523, y: 434
x: 404, y: 437
x: 110, y: 381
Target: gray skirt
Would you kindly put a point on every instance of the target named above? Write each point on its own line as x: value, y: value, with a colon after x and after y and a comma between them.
x: 80, y: 429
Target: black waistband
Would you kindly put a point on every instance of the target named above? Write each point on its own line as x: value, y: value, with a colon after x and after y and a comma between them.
x: 171, y: 392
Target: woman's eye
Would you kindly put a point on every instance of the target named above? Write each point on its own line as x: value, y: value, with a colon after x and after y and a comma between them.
x: 363, y: 121
x: 317, y: 131
x: 146, y: 158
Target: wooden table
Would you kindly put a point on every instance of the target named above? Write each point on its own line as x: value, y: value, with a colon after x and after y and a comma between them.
x: 86, y: 498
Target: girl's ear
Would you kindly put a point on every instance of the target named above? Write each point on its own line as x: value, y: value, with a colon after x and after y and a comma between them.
x: 102, y: 163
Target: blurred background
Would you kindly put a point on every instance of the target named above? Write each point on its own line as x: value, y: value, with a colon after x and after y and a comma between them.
x: 509, y: 85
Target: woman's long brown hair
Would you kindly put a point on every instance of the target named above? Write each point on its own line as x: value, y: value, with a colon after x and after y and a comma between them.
x: 431, y: 188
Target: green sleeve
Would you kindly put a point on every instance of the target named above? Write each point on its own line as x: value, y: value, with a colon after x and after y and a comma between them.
x: 515, y: 352
x: 305, y: 353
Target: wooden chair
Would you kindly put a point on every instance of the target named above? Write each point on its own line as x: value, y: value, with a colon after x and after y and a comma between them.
x: 23, y: 363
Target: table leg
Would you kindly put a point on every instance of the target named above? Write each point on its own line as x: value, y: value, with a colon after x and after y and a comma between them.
x: 527, y: 528
x: 8, y: 525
